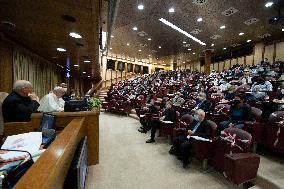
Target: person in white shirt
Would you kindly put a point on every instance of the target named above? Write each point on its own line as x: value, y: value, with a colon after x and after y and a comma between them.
x: 53, y: 101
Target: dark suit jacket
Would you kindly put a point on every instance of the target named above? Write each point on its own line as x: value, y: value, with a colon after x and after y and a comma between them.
x: 16, y: 108
x: 170, y: 115
x: 204, y: 130
x: 246, y: 113
x: 153, y: 109
x: 205, y: 105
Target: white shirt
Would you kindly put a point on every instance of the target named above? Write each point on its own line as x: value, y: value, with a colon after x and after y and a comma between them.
x: 51, y: 103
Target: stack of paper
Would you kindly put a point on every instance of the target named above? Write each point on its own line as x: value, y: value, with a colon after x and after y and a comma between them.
x: 199, y: 138
x: 27, y: 142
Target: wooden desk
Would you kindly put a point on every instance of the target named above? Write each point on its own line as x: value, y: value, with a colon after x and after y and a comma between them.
x: 51, y: 169
x: 63, y: 119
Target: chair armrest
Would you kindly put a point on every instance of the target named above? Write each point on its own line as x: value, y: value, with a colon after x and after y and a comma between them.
x: 13, y: 128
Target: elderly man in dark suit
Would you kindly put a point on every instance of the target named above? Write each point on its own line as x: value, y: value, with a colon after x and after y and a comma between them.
x: 21, y: 103
x: 182, y: 145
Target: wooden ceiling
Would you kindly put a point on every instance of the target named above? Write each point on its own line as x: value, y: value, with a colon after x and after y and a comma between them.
x: 185, y: 17
x: 41, y: 28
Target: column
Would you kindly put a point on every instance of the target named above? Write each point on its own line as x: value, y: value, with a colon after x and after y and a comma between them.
x: 208, y: 55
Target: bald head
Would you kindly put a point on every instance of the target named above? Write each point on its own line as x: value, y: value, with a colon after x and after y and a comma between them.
x: 23, y: 87
x: 58, y: 91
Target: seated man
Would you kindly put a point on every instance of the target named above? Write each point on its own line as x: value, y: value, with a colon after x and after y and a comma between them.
x: 53, y: 101
x: 202, y: 103
x: 178, y: 100
x: 168, y: 115
x: 152, y: 110
x: 21, y: 103
x: 239, y: 113
x: 182, y: 145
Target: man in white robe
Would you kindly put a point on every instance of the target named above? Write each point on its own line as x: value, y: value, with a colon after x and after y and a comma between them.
x: 53, y: 101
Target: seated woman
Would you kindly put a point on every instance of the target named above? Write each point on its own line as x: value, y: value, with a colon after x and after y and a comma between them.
x: 239, y: 113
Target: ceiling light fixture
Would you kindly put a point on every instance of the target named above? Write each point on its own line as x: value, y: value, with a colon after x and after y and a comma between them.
x: 112, y: 36
x: 61, y: 49
x: 110, y: 48
x: 181, y: 31
x: 160, y: 47
x: 224, y: 48
x: 172, y: 10
x: 84, y: 72
x: 222, y: 27
x: 212, y: 45
x: 135, y: 28
x: 87, y: 61
x: 183, y: 62
x: 199, y: 20
x: 139, y: 50
x: 75, y: 35
x: 193, y: 53
x: 76, y: 65
x: 89, y: 76
x: 140, y: 7
x: 189, y: 49
x: 269, y: 4
x: 184, y: 42
x: 248, y: 40
x: 157, y: 58
x: 149, y: 55
x: 127, y: 44
x: 283, y: 29
x: 164, y: 64
x: 149, y: 39
x: 241, y: 33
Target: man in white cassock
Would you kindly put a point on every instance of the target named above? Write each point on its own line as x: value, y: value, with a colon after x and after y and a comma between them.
x: 53, y: 101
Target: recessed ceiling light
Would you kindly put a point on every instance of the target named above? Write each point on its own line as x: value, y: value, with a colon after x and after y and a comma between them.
x: 89, y: 76
x: 110, y: 48
x: 75, y: 35
x: 222, y: 27
x: 149, y: 39
x: 160, y: 47
x: 248, y: 40
x: 183, y: 62
x: 127, y: 44
x: 84, y: 72
x: 87, y: 61
x: 140, y: 7
x: 171, y: 10
x: 181, y: 31
x: 163, y: 61
x: 61, y: 49
x: 139, y: 50
x: 212, y: 45
x: 149, y: 55
x: 112, y: 36
x: 135, y: 28
x: 241, y: 33
x: 157, y: 58
x: 269, y: 4
x: 224, y: 48
x: 76, y: 65
x: 283, y: 29
x: 184, y: 42
x: 193, y: 53
x: 199, y: 20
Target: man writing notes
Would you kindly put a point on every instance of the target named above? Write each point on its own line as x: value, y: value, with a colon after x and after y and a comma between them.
x: 21, y: 103
x: 53, y: 101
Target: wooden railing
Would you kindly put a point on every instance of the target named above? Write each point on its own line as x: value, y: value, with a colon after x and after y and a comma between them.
x: 50, y: 170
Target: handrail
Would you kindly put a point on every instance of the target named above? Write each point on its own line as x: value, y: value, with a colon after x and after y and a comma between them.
x: 94, y: 88
x: 50, y: 170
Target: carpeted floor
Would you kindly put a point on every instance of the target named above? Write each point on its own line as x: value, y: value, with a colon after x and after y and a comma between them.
x: 127, y: 162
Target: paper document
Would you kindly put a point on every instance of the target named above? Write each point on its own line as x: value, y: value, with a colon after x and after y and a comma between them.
x: 167, y: 122
x: 27, y: 142
x: 199, y: 138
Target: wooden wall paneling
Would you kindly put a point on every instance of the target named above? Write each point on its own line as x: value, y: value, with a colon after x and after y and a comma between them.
x: 249, y: 60
x: 280, y: 51
x: 227, y: 64
x: 268, y: 53
x: 258, y: 53
x: 241, y: 60
x: 6, y: 67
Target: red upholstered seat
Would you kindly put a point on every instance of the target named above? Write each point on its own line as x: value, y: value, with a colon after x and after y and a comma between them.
x: 167, y: 128
x: 219, y: 114
x: 232, y: 140
x: 274, y: 132
x: 180, y: 129
x: 256, y: 127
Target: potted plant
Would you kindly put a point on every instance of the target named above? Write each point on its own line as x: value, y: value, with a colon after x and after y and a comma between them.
x: 94, y: 104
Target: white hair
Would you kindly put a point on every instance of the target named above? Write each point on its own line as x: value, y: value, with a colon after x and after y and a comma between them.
x: 57, y: 88
x: 20, y: 84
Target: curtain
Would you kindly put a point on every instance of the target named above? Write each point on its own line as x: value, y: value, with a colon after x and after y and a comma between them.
x: 40, y: 72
